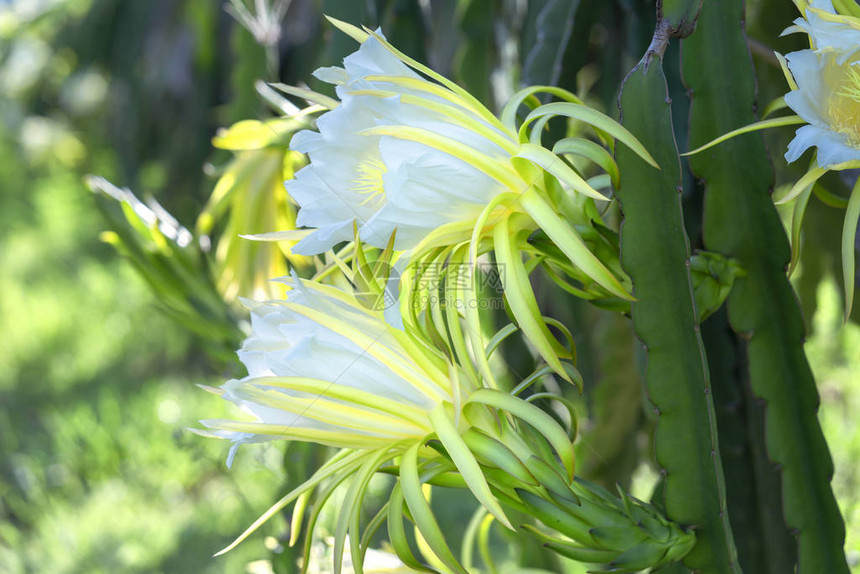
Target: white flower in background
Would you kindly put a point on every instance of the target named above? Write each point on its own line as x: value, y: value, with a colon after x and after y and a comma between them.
x: 384, y: 182
x: 827, y: 90
x: 825, y: 82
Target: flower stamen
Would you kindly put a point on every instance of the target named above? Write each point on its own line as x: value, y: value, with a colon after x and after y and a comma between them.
x: 369, y: 180
x: 845, y: 106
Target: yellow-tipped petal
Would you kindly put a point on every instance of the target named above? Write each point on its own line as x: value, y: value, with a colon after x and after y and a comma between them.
x: 466, y: 463
x: 566, y: 238
x: 762, y: 125
x: 558, y: 168
x: 545, y: 424
x: 353, y: 32
x: 597, y: 120
x: 309, y: 95
x: 471, y: 100
x: 849, y: 232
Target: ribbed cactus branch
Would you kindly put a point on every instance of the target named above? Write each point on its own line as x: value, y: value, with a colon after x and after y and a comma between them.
x: 741, y: 222
x: 752, y: 483
x: 656, y: 254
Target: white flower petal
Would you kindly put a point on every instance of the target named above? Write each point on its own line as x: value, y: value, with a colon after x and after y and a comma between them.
x: 832, y: 146
x: 811, y: 96
x: 324, y: 238
x: 805, y: 138
x: 331, y: 75
x: 285, y: 343
x: 828, y: 35
x: 427, y: 191
x: 373, y: 59
x: 833, y: 149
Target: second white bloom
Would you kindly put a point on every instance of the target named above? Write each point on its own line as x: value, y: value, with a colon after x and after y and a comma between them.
x: 827, y: 91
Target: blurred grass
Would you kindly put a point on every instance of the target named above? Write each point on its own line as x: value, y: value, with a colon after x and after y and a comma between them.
x: 834, y: 354
x: 98, y: 472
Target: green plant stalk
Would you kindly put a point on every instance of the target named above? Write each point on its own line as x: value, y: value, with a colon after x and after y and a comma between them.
x: 607, y: 452
x: 752, y: 483
x: 740, y: 221
x: 655, y: 253
x: 476, y: 55
x: 553, y: 29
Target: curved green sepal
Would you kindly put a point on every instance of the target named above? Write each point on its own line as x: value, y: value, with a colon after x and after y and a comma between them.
x: 465, y: 462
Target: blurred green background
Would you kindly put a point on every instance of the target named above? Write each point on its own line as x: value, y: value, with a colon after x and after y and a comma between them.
x: 98, y: 472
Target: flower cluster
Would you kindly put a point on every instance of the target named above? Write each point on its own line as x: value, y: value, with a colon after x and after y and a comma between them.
x: 426, y: 163
x: 409, y: 176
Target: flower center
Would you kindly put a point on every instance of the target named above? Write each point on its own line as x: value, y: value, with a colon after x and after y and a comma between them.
x: 369, y: 180
x: 844, y: 105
